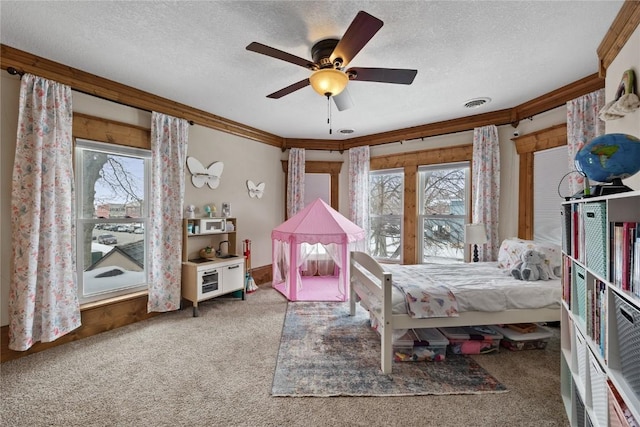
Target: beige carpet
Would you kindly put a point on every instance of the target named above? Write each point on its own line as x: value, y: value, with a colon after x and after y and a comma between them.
x: 217, y: 369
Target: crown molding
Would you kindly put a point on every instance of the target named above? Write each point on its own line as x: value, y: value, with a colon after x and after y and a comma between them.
x: 623, y: 26
x: 100, y: 87
x: 106, y: 89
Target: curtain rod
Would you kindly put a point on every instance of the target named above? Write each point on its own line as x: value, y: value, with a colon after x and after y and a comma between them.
x: 15, y: 72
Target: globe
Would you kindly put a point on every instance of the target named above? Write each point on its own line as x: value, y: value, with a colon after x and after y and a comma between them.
x: 609, y: 158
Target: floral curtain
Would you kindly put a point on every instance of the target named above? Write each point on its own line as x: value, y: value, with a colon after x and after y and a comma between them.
x: 359, y: 190
x: 583, y: 124
x: 295, y: 183
x: 43, y: 298
x: 486, y: 187
x: 168, y: 156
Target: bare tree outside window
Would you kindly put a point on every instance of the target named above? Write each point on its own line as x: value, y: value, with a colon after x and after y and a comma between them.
x: 111, y: 217
x: 386, y: 210
x: 443, y: 211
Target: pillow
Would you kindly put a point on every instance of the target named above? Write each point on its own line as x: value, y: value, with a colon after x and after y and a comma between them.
x: 511, y: 249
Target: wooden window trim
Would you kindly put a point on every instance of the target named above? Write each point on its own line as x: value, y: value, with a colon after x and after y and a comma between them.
x: 410, y: 162
x: 526, y: 146
x: 109, y: 131
x: 110, y: 313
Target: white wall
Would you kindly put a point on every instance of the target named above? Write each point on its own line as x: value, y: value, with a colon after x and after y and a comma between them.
x: 509, y: 162
x: 629, y: 57
x: 243, y: 159
x: 9, y: 94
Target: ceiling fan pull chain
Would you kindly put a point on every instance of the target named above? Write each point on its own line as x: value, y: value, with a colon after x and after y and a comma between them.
x: 329, y: 112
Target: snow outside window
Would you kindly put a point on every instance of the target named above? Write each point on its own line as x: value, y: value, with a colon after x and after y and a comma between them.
x: 112, y: 183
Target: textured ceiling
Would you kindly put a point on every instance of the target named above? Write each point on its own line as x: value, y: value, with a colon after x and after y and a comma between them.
x: 194, y: 53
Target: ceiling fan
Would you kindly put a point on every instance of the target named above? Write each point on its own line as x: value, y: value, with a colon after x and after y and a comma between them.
x: 330, y: 58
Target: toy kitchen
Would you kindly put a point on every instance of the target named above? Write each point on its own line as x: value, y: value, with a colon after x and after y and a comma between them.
x: 210, y: 265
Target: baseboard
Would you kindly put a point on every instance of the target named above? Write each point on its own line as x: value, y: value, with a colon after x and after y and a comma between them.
x: 262, y: 274
x: 97, y: 318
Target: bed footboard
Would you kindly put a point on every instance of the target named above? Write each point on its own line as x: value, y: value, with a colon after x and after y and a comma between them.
x: 372, y: 286
x: 374, y: 290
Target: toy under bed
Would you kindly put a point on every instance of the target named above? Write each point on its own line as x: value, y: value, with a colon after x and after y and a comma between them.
x: 484, y: 295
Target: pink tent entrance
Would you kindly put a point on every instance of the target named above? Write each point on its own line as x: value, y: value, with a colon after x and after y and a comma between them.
x: 311, y: 254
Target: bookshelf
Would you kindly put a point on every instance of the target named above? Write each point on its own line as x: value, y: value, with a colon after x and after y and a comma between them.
x: 600, y: 315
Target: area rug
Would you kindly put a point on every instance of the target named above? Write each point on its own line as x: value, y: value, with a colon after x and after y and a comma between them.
x: 325, y: 352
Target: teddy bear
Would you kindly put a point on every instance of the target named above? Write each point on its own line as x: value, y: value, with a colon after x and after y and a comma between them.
x: 531, y: 266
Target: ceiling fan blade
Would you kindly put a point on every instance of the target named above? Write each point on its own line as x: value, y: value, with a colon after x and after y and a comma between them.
x: 343, y: 100
x: 278, y: 54
x: 382, y: 75
x: 287, y: 90
x: 362, y: 29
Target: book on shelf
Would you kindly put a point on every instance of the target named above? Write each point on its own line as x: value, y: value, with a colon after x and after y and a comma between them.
x: 565, y: 213
x: 596, y: 297
x: 623, y: 248
x: 635, y: 284
x: 574, y: 231
x: 590, y: 312
x: 628, y: 240
x: 616, y: 254
x: 603, y: 320
x: 566, y: 281
x: 577, y: 233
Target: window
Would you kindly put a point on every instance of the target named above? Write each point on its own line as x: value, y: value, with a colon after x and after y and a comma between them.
x: 385, y: 214
x: 443, y: 195
x: 549, y: 168
x: 112, y: 183
x: 317, y: 185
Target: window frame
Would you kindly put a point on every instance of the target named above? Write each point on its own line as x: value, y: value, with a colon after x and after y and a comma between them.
x: 400, y: 216
x: 466, y: 164
x: 80, y: 145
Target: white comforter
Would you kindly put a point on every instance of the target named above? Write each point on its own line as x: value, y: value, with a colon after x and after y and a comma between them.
x: 477, y: 286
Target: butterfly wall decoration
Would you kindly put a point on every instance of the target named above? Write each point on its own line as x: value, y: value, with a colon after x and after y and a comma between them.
x: 201, y: 175
x: 255, y: 190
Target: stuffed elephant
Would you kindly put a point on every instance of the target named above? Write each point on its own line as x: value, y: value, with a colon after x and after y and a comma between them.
x: 531, y: 266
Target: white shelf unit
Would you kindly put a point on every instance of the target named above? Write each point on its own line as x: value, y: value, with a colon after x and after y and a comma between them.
x: 206, y: 279
x: 600, y: 335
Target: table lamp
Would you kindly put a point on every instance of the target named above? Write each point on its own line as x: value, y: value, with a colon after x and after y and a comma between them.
x: 475, y: 234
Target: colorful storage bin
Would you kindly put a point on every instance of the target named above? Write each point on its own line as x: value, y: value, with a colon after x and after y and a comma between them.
x: 419, y: 345
x: 472, y: 339
x: 516, y: 341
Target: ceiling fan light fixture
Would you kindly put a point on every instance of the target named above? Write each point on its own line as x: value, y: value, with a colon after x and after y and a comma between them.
x: 328, y: 81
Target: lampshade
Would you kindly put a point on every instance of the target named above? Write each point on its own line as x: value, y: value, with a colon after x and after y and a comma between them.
x: 328, y: 81
x: 475, y: 234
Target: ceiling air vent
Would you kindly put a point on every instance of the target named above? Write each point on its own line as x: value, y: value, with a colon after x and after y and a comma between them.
x: 477, y: 102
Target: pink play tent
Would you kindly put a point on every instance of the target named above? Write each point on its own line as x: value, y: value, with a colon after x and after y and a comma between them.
x: 311, y: 254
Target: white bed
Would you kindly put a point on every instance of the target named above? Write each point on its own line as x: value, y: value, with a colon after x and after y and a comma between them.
x: 485, y: 295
